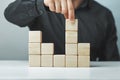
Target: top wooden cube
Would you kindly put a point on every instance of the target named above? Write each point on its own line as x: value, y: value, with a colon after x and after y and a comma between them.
x: 71, y: 26
x: 35, y: 36
x: 84, y: 49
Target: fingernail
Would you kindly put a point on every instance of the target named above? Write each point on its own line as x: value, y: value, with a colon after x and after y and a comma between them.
x: 72, y: 20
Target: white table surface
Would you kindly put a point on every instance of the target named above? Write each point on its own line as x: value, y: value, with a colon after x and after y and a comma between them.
x: 14, y: 70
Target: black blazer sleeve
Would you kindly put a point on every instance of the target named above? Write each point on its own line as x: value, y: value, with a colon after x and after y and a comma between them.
x: 111, y: 50
x: 24, y: 12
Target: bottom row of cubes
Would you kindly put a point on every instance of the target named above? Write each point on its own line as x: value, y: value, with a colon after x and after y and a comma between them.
x: 58, y: 61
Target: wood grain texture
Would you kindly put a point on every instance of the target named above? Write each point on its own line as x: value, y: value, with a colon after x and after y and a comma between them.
x: 46, y: 60
x: 83, y: 61
x: 35, y: 36
x: 47, y: 48
x: 71, y: 49
x: 59, y: 60
x: 71, y: 61
x: 84, y: 49
x: 34, y: 60
x: 35, y: 48
x: 71, y: 26
x: 71, y: 37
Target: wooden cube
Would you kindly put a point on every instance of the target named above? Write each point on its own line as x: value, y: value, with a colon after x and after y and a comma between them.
x: 83, y: 61
x: 34, y: 48
x: 71, y: 61
x: 34, y: 61
x: 71, y: 49
x: 72, y: 26
x: 59, y: 60
x: 71, y: 37
x: 47, y: 48
x: 35, y: 36
x: 47, y: 60
x: 84, y: 49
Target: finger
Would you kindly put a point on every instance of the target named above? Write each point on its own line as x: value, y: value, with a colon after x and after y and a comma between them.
x: 52, y: 6
x: 64, y: 8
x: 66, y: 16
x: 71, y: 14
x: 58, y: 6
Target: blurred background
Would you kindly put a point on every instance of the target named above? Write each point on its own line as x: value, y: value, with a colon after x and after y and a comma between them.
x: 14, y: 40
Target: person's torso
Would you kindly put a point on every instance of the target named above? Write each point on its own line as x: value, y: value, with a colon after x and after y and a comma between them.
x: 92, y: 25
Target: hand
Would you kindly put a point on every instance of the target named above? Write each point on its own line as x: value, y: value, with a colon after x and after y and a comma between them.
x: 64, y: 7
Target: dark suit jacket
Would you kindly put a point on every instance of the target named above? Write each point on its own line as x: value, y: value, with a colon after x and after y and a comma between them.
x: 96, y: 26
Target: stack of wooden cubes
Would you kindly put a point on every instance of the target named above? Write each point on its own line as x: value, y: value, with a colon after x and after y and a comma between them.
x: 42, y: 54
